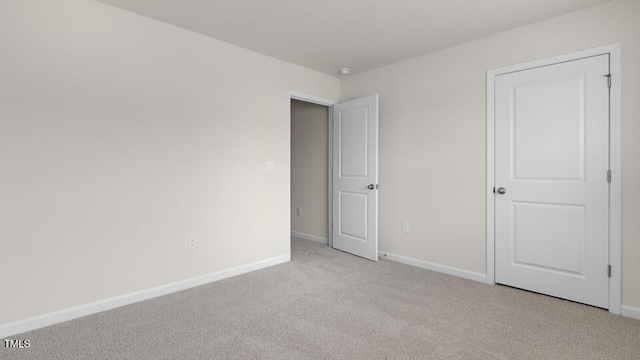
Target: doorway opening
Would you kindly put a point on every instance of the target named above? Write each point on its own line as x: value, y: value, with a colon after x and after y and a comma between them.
x: 309, y: 150
x: 310, y: 169
x: 351, y: 175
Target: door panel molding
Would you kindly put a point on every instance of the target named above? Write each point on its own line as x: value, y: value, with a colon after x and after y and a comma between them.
x: 615, y: 241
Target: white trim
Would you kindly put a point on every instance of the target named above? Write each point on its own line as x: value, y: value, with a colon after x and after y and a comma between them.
x: 449, y: 270
x: 615, y: 188
x: 490, y: 240
x: 330, y: 179
x: 310, y: 98
x: 316, y: 100
x: 37, y: 322
x: 630, y: 312
x: 303, y: 236
x: 615, y: 161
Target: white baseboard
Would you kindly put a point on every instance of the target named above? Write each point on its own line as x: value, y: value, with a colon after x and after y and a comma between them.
x: 434, y: 267
x: 37, y: 322
x: 313, y: 238
x: 630, y: 312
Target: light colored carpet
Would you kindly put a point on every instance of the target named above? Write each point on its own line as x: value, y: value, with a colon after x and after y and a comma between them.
x: 326, y: 304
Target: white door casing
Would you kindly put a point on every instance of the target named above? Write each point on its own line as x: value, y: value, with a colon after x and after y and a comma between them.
x: 291, y: 95
x: 355, y: 177
x: 552, y: 157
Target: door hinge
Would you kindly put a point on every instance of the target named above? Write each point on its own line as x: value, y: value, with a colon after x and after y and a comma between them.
x: 609, y: 270
x: 608, y: 80
x: 609, y: 176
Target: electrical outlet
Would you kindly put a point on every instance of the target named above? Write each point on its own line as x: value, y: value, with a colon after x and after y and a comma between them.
x: 405, y: 227
x: 192, y: 242
x: 299, y: 211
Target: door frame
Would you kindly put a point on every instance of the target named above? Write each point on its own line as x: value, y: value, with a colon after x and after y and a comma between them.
x: 294, y: 95
x: 615, y: 161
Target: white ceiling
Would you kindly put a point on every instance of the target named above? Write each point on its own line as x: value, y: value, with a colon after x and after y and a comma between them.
x: 326, y: 35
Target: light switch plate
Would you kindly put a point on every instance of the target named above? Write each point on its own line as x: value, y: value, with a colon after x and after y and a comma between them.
x: 270, y: 166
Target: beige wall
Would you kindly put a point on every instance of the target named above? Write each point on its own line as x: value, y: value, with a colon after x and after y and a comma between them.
x: 432, y: 135
x: 119, y: 137
x: 309, y: 157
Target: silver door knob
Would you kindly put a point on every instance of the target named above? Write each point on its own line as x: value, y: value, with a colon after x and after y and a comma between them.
x: 502, y: 190
x: 371, y: 187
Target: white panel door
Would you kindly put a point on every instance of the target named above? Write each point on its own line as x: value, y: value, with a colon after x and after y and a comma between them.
x: 551, y: 187
x: 355, y: 177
